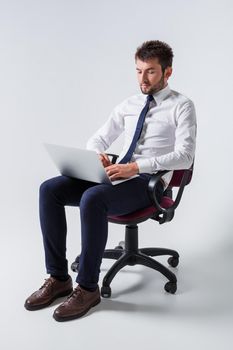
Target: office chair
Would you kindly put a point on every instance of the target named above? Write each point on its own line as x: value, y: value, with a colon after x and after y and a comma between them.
x: 127, y: 252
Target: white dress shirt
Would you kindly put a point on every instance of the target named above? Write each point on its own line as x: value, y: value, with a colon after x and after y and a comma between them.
x: 167, y: 140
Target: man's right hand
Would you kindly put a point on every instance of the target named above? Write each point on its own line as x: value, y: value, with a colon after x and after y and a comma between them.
x: 104, y: 159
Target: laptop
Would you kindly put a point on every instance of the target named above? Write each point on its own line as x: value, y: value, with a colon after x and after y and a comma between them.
x: 80, y: 164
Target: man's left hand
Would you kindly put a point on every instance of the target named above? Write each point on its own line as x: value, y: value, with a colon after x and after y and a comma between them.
x: 122, y: 171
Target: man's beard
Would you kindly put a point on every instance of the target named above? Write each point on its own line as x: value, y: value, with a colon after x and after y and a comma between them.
x: 155, y: 88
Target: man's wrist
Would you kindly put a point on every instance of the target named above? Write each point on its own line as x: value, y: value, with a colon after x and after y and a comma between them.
x: 135, y: 167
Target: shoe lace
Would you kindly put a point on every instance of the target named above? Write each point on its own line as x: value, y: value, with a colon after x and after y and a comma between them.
x: 48, y: 282
x: 74, y: 295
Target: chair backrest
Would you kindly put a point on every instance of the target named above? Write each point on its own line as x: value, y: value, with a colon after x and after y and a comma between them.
x: 178, y: 175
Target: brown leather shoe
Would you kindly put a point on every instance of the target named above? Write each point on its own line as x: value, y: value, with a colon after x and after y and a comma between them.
x: 51, y: 290
x: 77, y: 304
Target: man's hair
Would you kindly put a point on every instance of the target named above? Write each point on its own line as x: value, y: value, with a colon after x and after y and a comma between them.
x: 155, y: 49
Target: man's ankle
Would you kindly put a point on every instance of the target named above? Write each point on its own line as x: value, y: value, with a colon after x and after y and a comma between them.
x: 62, y: 278
x: 88, y: 289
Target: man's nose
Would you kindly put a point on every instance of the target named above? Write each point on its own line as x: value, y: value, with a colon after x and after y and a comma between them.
x: 144, y: 78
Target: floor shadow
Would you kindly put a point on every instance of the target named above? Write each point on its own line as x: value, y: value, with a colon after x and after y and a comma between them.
x: 205, y: 287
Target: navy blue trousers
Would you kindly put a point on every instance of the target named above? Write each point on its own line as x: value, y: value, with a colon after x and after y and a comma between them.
x: 96, y: 202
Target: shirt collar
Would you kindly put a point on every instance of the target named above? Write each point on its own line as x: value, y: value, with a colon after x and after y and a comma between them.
x: 160, y: 95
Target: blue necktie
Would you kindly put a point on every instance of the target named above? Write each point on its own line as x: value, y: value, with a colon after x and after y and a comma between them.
x: 138, y: 131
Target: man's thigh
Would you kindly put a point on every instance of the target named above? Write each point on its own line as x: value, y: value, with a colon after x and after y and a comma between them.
x: 123, y: 198
x: 67, y: 190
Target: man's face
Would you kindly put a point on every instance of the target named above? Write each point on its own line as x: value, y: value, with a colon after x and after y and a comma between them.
x: 150, y: 76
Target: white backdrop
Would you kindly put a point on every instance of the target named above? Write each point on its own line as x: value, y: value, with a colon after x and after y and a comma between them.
x: 64, y: 65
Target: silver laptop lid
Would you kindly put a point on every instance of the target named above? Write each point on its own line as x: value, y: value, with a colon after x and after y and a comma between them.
x: 78, y: 163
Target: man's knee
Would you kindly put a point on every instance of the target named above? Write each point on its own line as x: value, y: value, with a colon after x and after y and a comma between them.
x: 93, y: 197
x: 51, y: 185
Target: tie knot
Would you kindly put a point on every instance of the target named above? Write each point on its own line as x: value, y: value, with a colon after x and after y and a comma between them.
x: 150, y: 98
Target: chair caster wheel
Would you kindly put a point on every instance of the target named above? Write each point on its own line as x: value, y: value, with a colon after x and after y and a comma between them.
x: 170, y: 287
x: 172, y: 261
x: 105, y: 292
x: 74, y: 266
x: 121, y: 245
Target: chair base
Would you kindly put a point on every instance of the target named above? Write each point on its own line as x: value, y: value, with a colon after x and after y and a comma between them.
x: 128, y: 253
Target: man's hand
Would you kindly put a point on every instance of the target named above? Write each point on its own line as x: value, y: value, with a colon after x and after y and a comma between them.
x: 103, y: 157
x: 121, y: 171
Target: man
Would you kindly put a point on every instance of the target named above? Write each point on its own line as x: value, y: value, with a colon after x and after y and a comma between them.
x: 160, y: 130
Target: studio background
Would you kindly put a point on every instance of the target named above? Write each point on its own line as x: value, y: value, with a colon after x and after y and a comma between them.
x: 64, y: 65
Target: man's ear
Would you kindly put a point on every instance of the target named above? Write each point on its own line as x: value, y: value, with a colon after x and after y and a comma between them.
x: 168, y: 72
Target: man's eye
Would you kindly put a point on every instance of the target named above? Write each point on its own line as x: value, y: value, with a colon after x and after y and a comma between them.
x: 151, y: 72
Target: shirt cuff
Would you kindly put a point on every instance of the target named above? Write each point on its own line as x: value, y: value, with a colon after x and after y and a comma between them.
x: 94, y: 149
x: 144, y: 166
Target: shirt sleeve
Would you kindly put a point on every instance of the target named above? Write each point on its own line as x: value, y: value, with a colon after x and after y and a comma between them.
x: 185, y: 142
x: 105, y: 135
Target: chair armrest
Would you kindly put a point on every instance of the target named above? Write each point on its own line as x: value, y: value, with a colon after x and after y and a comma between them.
x: 114, y: 157
x: 167, y: 213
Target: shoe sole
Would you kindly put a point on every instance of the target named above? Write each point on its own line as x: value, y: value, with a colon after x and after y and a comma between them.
x: 68, y: 318
x: 42, y: 306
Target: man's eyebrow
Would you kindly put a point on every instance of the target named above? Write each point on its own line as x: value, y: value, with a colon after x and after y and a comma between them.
x: 146, y: 69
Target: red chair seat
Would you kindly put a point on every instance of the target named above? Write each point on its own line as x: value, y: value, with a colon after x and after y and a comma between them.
x: 140, y: 215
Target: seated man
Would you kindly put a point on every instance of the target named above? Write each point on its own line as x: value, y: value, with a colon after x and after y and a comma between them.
x: 160, y: 132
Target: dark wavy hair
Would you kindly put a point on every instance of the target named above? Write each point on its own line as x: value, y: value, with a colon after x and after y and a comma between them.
x: 155, y: 49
